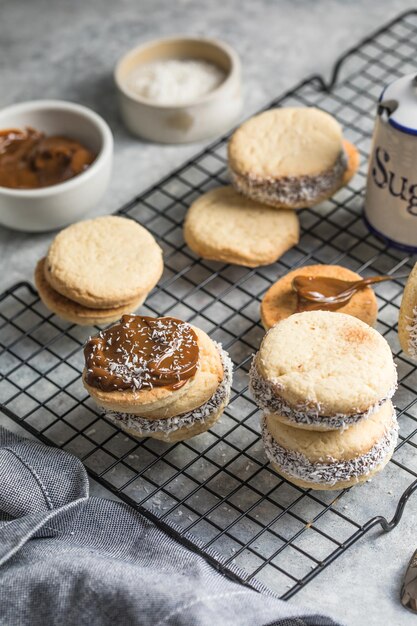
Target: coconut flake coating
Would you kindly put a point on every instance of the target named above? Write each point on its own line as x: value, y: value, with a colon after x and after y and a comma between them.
x: 411, y: 328
x: 185, y: 420
x: 298, y: 465
x: 268, y: 399
x: 292, y: 190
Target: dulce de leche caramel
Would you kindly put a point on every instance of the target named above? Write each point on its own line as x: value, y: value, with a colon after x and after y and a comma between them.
x: 324, y: 288
x: 328, y: 293
x: 30, y: 160
x: 142, y: 353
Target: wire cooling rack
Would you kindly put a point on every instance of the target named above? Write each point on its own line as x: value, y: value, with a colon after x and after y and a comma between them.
x: 216, y: 493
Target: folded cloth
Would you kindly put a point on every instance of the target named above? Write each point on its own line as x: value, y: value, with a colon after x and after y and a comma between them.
x: 69, y: 559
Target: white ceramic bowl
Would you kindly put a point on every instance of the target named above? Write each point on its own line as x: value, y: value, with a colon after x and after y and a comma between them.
x: 210, y: 115
x: 52, y: 207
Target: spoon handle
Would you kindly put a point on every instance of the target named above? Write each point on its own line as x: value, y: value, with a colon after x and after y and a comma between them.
x: 361, y: 284
x: 378, y: 279
x: 347, y: 293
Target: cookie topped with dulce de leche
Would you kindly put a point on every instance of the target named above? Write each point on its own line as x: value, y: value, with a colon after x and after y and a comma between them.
x: 158, y: 377
x: 282, y: 300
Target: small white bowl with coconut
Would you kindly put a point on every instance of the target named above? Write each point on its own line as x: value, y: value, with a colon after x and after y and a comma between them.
x: 179, y: 89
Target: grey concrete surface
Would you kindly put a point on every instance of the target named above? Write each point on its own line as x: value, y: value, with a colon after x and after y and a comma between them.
x: 68, y: 49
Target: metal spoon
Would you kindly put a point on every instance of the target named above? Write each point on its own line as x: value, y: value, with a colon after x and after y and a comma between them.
x: 327, y: 290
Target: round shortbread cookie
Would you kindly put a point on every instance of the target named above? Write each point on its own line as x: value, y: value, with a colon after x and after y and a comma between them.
x: 280, y: 301
x: 72, y: 311
x: 407, y: 321
x: 288, y: 157
x: 165, y: 402
x: 282, y: 142
x: 331, y: 460
x: 104, y: 262
x: 223, y: 225
x: 323, y: 370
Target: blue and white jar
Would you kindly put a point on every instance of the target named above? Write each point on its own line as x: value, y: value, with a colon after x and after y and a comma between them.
x: 391, y: 192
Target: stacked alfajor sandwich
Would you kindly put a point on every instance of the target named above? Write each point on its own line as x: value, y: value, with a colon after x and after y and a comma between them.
x: 97, y: 270
x: 290, y: 158
x: 324, y: 381
x: 158, y: 377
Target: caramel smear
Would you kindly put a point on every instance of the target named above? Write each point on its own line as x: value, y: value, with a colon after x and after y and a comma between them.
x: 142, y: 353
x: 325, y: 293
x: 30, y: 160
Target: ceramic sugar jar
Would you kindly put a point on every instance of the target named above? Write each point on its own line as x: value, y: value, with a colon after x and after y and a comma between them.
x: 391, y: 193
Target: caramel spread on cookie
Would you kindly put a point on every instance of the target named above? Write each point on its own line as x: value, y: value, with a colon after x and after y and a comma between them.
x: 323, y: 287
x: 30, y: 160
x: 142, y: 353
x: 328, y: 293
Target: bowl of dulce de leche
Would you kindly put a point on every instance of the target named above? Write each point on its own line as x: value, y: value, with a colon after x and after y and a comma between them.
x: 55, y: 163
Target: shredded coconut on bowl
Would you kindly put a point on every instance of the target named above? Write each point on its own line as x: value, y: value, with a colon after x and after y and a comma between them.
x: 175, y: 81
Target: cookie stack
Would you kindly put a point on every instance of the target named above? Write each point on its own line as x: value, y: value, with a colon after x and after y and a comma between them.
x: 281, y: 159
x: 99, y: 269
x: 158, y: 377
x: 325, y: 381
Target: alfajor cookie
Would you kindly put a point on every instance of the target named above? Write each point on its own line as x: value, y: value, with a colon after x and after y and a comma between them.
x: 290, y: 157
x: 223, y: 225
x: 97, y: 270
x: 74, y: 312
x: 158, y: 377
x: 407, y: 322
x: 103, y: 263
x: 334, y: 459
x: 281, y: 301
x: 321, y: 370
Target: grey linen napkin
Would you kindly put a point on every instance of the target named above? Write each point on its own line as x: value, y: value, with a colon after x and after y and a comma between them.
x: 69, y: 559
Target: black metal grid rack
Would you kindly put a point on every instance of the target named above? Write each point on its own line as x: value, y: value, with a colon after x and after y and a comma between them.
x: 216, y: 493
